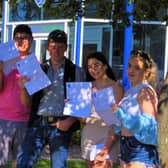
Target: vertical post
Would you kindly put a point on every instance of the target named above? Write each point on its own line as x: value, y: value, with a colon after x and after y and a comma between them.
x: 4, y: 20
x: 40, y: 4
x: 127, y: 44
x: 166, y: 53
x: 79, y: 35
x: 42, y: 13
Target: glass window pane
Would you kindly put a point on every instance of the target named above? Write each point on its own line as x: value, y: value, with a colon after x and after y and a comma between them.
x: 97, y: 37
x: 43, y: 54
x: 71, y: 42
x: 118, y: 47
x: 151, y: 38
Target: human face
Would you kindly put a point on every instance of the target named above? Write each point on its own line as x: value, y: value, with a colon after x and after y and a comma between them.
x: 56, y: 51
x: 96, y: 68
x: 23, y: 43
x: 135, y: 71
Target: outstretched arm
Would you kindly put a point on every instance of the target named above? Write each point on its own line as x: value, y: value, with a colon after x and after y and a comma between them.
x: 110, y: 141
x: 64, y: 125
x: 1, y: 75
x: 24, y: 96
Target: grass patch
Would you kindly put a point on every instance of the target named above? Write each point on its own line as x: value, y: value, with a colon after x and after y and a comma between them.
x: 70, y: 164
x: 76, y: 164
x: 42, y: 164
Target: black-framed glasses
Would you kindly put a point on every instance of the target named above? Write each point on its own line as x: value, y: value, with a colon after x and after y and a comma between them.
x: 94, y: 66
x: 21, y: 38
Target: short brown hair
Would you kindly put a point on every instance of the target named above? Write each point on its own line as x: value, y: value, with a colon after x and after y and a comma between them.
x: 58, y: 36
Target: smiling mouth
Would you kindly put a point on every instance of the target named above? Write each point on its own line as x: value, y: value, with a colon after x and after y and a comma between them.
x: 131, y: 76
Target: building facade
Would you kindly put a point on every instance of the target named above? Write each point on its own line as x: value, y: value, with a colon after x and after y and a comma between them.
x: 96, y: 35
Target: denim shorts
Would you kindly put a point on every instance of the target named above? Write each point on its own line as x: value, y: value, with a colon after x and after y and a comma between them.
x: 134, y: 151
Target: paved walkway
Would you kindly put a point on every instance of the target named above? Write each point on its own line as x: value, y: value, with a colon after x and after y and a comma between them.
x: 74, y: 152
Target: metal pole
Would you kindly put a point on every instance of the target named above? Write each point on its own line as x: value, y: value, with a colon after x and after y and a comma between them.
x: 79, y: 36
x: 42, y: 13
x: 4, y: 20
x: 127, y: 45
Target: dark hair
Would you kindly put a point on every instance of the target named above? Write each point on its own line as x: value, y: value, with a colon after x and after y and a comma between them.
x: 100, y: 56
x: 22, y: 28
x: 58, y: 36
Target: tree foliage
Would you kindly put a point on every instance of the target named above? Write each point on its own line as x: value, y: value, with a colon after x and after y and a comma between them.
x: 152, y: 10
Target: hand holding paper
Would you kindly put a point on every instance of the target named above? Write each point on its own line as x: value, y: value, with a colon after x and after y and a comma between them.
x: 22, y: 80
x: 30, y: 68
x: 95, y: 149
x: 103, y: 100
x: 79, y: 99
x: 1, y: 65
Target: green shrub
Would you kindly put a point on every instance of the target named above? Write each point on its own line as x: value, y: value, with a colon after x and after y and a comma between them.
x: 76, y: 136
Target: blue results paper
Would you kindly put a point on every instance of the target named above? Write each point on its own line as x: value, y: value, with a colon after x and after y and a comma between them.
x: 78, y: 102
x: 30, y: 67
x: 8, y: 51
x: 103, y: 100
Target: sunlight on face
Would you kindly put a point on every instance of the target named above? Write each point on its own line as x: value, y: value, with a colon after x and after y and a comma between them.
x: 96, y: 68
x: 23, y: 42
x: 135, y: 71
x: 56, y: 50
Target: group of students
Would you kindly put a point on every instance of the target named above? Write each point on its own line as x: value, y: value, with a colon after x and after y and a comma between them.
x: 29, y: 123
